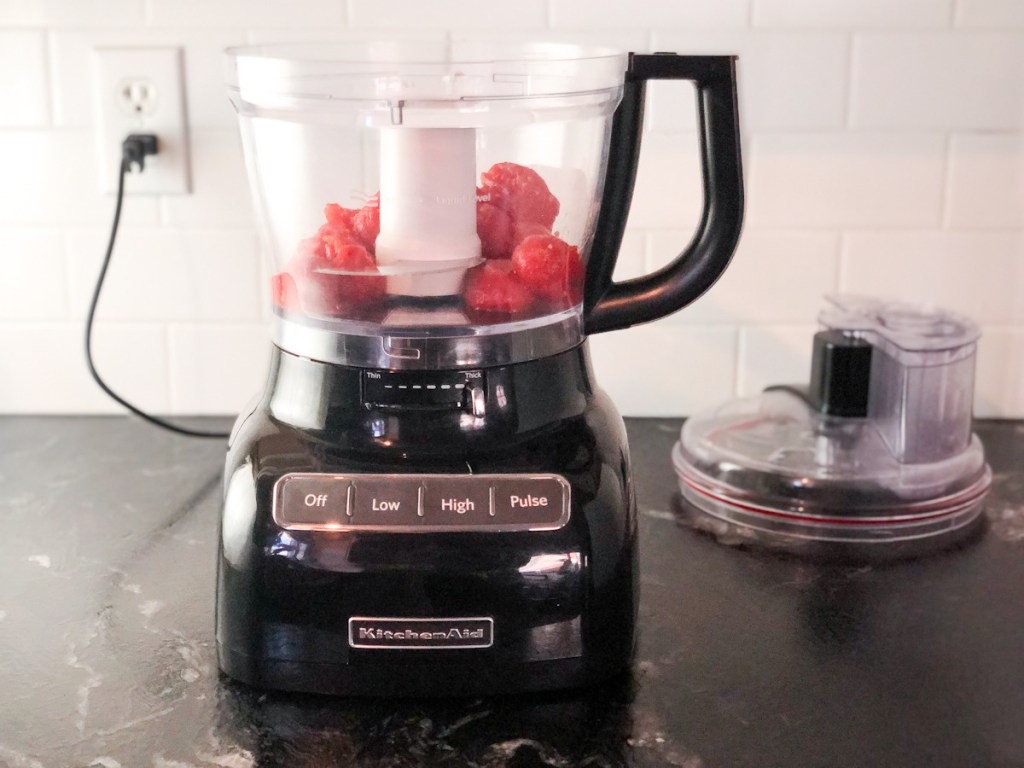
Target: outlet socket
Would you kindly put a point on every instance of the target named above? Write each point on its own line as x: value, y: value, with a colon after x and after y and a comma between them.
x: 141, y: 90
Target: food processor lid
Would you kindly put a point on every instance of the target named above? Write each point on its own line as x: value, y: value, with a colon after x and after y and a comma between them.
x: 878, y: 447
x: 774, y: 453
x: 901, y: 329
x: 299, y: 74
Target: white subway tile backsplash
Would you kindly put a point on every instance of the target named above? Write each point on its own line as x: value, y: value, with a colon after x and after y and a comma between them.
x: 42, y: 368
x: 883, y: 153
x: 220, y: 191
x: 33, y: 274
x: 24, y: 86
x: 443, y: 14
x: 334, y: 34
x: 999, y: 375
x: 617, y: 38
x: 668, y: 190
x: 979, y: 274
x: 986, y: 181
x: 787, y: 80
x: 772, y: 355
x: 203, y: 55
x: 50, y: 178
x: 655, y: 14
x: 72, y: 13
x: 217, y: 369
x: 998, y: 14
x: 961, y: 81
x: 845, y: 180
x: 855, y: 14
x: 249, y: 13
x: 660, y: 369
x: 774, y: 277
x: 163, y: 274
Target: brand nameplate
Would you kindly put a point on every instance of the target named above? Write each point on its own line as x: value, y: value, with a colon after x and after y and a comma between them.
x: 420, y: 634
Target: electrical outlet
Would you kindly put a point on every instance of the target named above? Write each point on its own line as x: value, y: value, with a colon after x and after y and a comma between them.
x: 141, y: 90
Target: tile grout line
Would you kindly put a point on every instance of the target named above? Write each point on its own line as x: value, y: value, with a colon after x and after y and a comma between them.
x: 851, y: 62
x: 946, y: 212
x: 69, y: 292
x: 842, y: 262
x: 49, y: 78
x: 173, y: 396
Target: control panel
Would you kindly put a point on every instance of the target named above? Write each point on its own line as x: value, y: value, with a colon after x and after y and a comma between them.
x: 421, y: 503
x: 425, y: 389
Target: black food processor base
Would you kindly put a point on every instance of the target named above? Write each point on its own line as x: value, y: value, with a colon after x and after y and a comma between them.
x: 435, y: 533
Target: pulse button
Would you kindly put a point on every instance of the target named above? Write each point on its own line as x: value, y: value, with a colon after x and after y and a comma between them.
x: 535, y: 501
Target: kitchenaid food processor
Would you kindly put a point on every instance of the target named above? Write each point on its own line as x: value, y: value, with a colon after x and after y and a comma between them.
x: 433, y: 495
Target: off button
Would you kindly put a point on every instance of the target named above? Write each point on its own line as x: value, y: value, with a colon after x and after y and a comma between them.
x: 539, y: 502
x: 311, y: 502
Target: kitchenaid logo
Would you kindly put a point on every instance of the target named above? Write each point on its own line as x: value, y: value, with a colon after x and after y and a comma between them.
x: 420, y: 633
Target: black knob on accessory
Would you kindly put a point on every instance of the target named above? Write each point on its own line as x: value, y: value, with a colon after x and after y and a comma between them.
x: 840, y: 375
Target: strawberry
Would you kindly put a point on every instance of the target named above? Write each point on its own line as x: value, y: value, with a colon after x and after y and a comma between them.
x: 521, y: 192
x: 494, y: 226
x: 335, y: 248
x: 335, y: 214
x: 524, y: 229
x: 366, y: 222
x: 285, y: 293
x: 339, y: 246
x: 494, y: 287
x: 550, y: 268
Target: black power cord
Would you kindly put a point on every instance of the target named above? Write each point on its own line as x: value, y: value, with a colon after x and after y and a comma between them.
x: 134, y: 150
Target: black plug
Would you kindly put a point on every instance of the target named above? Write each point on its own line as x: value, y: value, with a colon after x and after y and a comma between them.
x: 134, y: 149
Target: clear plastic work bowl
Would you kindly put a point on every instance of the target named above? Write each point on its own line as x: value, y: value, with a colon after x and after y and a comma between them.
x: 437, y: 189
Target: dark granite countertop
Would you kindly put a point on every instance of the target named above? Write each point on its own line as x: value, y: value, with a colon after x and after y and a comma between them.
x: 745, y: 658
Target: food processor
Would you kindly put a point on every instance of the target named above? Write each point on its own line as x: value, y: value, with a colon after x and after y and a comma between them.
x: 433, y: 495
x: 874, y: 458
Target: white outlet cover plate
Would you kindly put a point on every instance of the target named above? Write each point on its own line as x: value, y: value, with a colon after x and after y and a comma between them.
x: 116, y: 70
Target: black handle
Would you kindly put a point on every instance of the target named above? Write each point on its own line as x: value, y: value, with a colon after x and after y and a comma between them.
x: 607, y: 305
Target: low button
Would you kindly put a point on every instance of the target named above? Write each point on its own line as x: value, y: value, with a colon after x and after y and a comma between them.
x: 457, y: 502
x: 311, y: 502
x: 386, y: 502
x: 533, y: 501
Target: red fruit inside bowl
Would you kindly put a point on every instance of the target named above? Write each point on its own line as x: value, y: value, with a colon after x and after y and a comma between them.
x: 495, y: 229
x: 550, y: 268
x: 494, y: 287
x: 521, y: 192
x: 366, y: 223
x: 335, y: 214
x: 525, y: 229
x: 316, y: 265
x: 285, y: 293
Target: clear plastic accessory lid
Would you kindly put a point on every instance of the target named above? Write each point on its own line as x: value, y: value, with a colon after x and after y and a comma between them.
x: 907, y: 466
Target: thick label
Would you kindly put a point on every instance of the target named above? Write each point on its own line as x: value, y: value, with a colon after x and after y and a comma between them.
x: 420, y: 634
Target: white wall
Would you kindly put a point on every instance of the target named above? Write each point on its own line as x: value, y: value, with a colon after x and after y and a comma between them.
x: 884, y: 154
